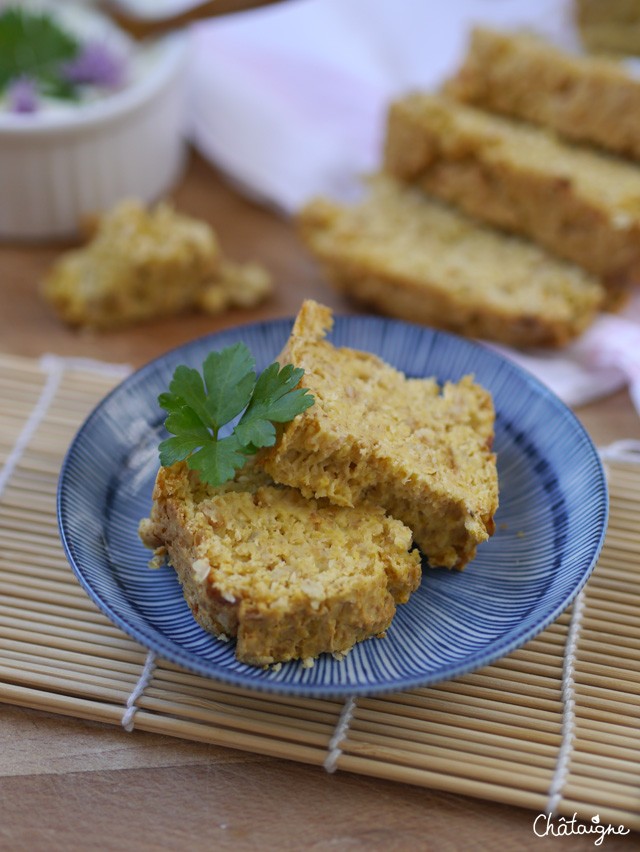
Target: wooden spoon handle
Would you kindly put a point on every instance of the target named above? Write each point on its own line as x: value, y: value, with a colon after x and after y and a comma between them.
x: 141, y: 27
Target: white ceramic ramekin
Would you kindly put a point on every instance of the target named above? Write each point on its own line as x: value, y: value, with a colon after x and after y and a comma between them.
x: 56, y: 168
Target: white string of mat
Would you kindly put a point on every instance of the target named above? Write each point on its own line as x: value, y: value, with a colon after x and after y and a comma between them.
x: 108, y: 369
x: 626, y: 451
x: 131, y: 707
x: 54, y: 367
x: 339, y: 735
x: 568, y: 707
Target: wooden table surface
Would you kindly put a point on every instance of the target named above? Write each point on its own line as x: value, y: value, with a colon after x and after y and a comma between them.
x: 76, y: 785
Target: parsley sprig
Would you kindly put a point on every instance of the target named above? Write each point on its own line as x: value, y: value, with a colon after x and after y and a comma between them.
x: 39, y: 57
x: 34, y: 46
x: 198, y: 406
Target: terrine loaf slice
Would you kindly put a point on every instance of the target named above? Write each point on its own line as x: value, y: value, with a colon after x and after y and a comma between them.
x: 141, y: 264
x: 590, y: 100
x: 582, y: 205
x: 609, y: 26
x: 288, y: 577
x: 412, y: 257
x: 373, y: 435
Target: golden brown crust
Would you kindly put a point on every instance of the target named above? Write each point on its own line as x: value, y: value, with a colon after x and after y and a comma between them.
x: 372, y: 435
x: 412, y: 257
x: 579, y: 204
x: 290, y: 578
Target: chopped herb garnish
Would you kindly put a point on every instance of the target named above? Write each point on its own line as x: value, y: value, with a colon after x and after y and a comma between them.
x: 22, y: 95
x: 198, y: 407
x: 34, y: 46
x: 95, y: 65
x: 39, y: 57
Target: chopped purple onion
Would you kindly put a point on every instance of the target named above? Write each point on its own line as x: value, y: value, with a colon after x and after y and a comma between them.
x: 95, y: 65
x: 22, y: 95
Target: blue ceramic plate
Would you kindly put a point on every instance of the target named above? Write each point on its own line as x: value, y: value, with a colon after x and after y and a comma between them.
x: 550, y: 525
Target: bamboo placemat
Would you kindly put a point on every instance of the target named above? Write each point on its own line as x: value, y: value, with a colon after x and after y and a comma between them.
x: 555, y: 725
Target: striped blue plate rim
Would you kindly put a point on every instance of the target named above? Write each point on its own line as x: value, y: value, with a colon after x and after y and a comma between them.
x: 377, y: 327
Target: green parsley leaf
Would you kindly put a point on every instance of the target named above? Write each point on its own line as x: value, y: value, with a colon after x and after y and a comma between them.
x: 198, y: 406
x: 187, y: 390
x: 229, y: 377
x: 218, y: 461
x: 189, y: 435
x: 33, y: 45
x: 274, y: 401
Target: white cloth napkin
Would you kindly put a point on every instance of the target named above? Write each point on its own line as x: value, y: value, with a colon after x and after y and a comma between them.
x: 290, y: 102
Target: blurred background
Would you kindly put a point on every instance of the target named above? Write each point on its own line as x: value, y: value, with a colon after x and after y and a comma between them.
x: 237, y: 113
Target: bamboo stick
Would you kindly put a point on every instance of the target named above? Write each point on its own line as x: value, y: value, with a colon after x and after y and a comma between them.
x: 610, y: 815
x: 25, y: 485
x: 446, y: 730
x: 51, y: 592
x: 589, y: 732
x: 484, y: 679
x: 545, y: 732
x: 598, y: 673
x: 35, y: 503
x: 550, y: 668
x: 625, y: 771
x: 20, y: 364
x: 619, y: 562
x: 35, y: 608
x: 94, y: 690
x: 625, y: 626
x: 467, y: 703
x: 231, y: 739
x: 168, y: 672
x: 616, y: 600
x: 627, y: 646
x: 603, y: 747
x: 62, y: 674
x: 21, y: 546
x: 445, y: 767
x: 515, y: 697
x: 433, y: 757
x: 39, y: 467
x: 598, y: 696
x: 145, y: 721
x: 507, y: 794
x: 65, y: 625
x: 61, y: 582
x: 81, y: 663
x: 590, y: 791
x: 412, y: 698
x: 129, y: 666
x: 28, y: 519
x: 604, y: 580
x: 461, y: 750
x: 124, y: 648
x: 22, y: 384
x: 619, y: 608
x: 241, y: 720
x: 208, y: 692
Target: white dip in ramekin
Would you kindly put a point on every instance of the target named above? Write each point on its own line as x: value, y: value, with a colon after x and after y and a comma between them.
x: 67, y: 159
